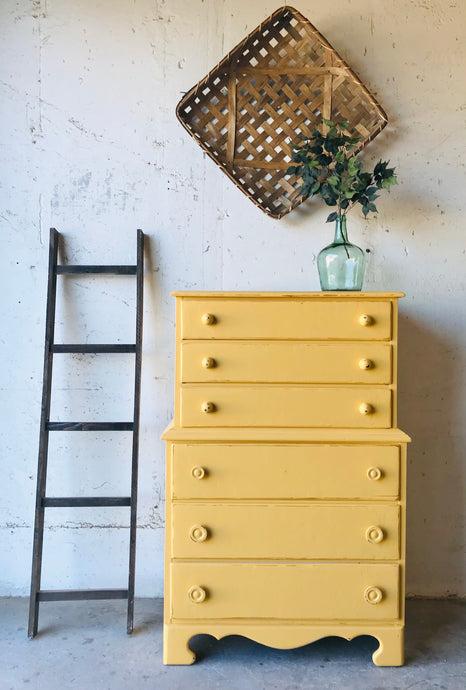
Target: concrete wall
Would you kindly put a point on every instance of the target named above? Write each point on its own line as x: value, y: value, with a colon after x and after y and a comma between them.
x: 90, y: 144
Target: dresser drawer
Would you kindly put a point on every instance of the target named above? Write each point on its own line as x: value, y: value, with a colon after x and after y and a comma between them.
x: 286, y: 406
x: 334, y: 591
x: 312, y: 319
x: 269, y: 471
x: 285, y: 362
x: 285, y: 531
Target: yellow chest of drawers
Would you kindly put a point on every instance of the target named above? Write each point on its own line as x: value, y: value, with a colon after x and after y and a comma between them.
x: 286, y: 474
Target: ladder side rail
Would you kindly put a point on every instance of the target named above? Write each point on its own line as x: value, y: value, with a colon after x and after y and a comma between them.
x: 43, y: 435
x: 135, y: 445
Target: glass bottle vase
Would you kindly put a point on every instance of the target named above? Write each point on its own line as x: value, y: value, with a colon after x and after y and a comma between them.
x: 341, y: 264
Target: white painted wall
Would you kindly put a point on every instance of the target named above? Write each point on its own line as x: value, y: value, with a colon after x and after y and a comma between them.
x: 90, y: 144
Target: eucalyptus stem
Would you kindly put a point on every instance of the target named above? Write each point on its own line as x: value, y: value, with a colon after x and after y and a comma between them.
x: 329, y: 169
x: 341, y: 216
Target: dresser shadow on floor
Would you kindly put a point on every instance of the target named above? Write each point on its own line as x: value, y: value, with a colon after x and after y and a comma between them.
x: 237, y: 649
x: 435, y: 629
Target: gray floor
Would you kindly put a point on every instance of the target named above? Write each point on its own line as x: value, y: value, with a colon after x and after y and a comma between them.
x: 84, y: 646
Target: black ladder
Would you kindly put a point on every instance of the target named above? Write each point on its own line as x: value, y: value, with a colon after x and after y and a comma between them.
x: 43, y: 501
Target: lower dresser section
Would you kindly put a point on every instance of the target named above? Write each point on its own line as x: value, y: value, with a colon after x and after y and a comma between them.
x: 285, y: 542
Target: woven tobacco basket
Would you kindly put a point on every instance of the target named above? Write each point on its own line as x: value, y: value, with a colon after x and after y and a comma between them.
x: 280, y: 81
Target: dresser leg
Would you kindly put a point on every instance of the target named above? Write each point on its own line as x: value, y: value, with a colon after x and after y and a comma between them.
x: 391, y: 650
x: 176, y: 649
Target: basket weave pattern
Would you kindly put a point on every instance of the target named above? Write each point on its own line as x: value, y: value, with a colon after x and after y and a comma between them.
x: 278, y: 83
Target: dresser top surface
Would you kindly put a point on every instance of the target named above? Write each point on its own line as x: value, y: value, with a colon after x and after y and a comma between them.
x: 283, y: 295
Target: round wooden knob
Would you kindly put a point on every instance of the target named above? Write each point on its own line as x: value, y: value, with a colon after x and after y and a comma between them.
x: 374, y: 534
x: 374, y: 473
x: 208, y: 407
x: 208, y: 319
x: 198, y: 533
x: 366, y: 408
x: 366, y: 320
x: 373, y: 595
x: 366, y: 364
x: 198, y: 472
x: 197, y: 594
x: 208, y: 363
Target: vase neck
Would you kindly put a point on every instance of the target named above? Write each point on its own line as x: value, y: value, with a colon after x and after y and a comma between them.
x: 340, y: 230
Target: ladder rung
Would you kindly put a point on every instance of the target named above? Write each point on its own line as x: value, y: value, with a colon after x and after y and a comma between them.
x: 91, y: 501
x: 90, y: 426
x: 117, y: 270
x: 93, y: 349
x: 80, y: 594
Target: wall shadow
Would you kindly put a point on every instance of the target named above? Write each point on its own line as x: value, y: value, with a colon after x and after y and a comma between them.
x: 429, y: 408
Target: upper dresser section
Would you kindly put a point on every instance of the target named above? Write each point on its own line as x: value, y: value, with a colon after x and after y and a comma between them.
x: 261, y: 359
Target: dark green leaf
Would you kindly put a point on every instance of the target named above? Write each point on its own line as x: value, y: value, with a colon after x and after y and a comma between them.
x: 331, y: 146
x: 324, y: 160
x: 325, y: 189
x: 380, y: 167
x: 307, y: 175
x: 332, y: 216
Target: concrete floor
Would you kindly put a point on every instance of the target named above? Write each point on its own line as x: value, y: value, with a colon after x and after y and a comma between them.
x: 83, y: 646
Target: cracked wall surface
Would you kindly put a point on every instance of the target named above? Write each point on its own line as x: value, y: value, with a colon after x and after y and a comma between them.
x: 90, y: 145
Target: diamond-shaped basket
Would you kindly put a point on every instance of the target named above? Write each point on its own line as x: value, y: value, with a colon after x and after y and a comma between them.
x: 277, y: 83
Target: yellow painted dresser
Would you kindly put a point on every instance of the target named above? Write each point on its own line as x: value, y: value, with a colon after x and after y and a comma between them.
x: 286, y: 472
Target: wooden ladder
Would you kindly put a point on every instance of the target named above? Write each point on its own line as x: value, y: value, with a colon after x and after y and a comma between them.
x: 42, y: 501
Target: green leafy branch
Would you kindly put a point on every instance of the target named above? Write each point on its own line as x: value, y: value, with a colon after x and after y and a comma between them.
x: 329, y: 169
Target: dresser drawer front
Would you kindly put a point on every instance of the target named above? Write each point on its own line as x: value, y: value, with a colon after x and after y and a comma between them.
x: 285, y: 591
x: 313, y: 319
x: 285, y: 406
x: 285, y: 362
x: 274, y: 471
x: 274, y: 531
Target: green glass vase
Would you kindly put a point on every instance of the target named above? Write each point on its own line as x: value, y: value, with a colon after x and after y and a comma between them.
x: 341, y: 264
